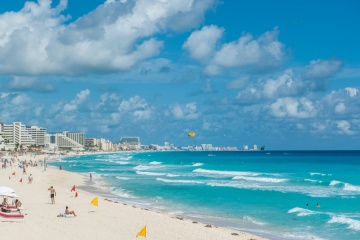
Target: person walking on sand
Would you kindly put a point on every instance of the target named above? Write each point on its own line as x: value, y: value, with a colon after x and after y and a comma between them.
x: 30, y: 178
x: 52, y: 194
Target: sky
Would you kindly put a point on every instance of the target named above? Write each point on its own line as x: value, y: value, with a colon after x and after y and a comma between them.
x: 284, y: 74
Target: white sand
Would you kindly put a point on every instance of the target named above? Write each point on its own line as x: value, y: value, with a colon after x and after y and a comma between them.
x: 110, y: 220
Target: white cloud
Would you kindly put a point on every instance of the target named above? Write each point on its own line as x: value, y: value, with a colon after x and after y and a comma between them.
x: 29, y: 83
x: 344, y: 127
x: 247, y: 51
x: 344, y: 102
x: 319, y: 69
x: 263, y: 52
x: 295, y: 108
x: 80, y: 98
x: 352, y: 91
x: 21, y: 99
x: 142, y: 114
x: 340, y: 107
x: 284, y: 85
x: 187, y: 112
x: 201, y: 44
x: 132, y: 104
x: 114, y: 37
x: 238, y: 83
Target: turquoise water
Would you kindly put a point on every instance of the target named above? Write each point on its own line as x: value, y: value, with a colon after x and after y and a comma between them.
x: 269, y: 193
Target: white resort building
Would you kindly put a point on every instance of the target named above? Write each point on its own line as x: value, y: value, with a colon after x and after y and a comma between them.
x: 130, y: 143
x: 19, y: 134
x: 72, y: 140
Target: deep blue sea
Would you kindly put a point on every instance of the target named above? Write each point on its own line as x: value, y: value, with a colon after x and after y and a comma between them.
x: 268, y: 193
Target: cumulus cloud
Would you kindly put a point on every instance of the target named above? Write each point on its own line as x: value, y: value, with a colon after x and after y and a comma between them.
x: 344, y: 128
x: 186, y: 112
x: 259, y: 53
x: 137, y: 107
x: 239, y: 83
x: 291, y: 107
x: 68, y: 111
x: 247, y: 51
x: 284, y: 85
x: 29, y: 84
x: 114, y: 37
x: 80, y: 98
x: 319, y: 69
x: 352, y: 92
x: 201, y: 44
x: 13, y: 105
x: 343, y: 102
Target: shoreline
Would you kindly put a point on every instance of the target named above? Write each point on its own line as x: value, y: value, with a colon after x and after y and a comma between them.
x: 111, y: 219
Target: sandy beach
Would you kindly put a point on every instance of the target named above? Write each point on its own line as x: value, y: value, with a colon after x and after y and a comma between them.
x: 109, y: 220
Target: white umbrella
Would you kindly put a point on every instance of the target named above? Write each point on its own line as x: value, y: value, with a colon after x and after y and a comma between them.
x: 7, y: 192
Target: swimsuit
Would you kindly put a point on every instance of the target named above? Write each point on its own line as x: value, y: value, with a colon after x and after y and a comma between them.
x: 52, y: 195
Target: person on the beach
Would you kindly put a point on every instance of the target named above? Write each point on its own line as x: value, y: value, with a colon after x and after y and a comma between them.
x: 69, y: 212
x: 90, y: 176
x: 24, y: 169
x: 4, y: 203
x: 30, y: 178
x: 17, y: 203
x: 52, y: 194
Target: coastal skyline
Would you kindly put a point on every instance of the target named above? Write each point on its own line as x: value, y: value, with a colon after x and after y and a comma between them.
x: 284, y: 74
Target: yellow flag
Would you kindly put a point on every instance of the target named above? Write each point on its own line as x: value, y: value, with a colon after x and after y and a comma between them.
x: 142, y: 232
x: 95, y: 201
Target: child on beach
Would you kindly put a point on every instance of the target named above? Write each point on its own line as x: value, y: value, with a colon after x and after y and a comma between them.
x: 30, y: 178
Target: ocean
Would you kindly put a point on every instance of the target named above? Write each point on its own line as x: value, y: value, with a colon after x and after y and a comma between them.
x: 269, y: 193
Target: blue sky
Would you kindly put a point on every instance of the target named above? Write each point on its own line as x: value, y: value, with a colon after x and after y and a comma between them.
x: 284, y: 74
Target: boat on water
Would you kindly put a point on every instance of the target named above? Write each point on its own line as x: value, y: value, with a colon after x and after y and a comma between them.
x: 211, y: 155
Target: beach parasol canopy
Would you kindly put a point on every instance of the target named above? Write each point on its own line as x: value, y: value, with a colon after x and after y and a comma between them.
x: 7, y: 192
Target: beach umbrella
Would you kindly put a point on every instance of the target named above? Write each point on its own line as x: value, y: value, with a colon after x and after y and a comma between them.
x: 7, y: 192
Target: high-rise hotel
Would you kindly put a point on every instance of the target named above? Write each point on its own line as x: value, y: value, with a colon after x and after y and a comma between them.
x: 17, y: 133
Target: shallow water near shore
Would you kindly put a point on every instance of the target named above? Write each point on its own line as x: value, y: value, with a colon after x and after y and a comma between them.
x: 269, y: 193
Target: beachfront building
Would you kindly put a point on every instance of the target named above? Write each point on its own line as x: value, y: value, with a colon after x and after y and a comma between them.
x: 71, y: 140
x: 207, y: 147
x: 130, y: 143
x: 37, y: 133
x: 100, y: 144
x: 2, y: 143
x: 16, y: 134
x: 106, y: 145
x: 91, y: 143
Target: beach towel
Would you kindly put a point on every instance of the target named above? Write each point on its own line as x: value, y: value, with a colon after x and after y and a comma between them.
x: 63, y: 214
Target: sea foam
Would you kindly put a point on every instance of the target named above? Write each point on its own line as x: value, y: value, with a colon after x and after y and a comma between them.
x: 197, y: 164
x: 150, y: 173
x: 225, y: 173
x: 352, y: 224
x: 260, y: 179
x: 179, y: 181
x: 302, y: 212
